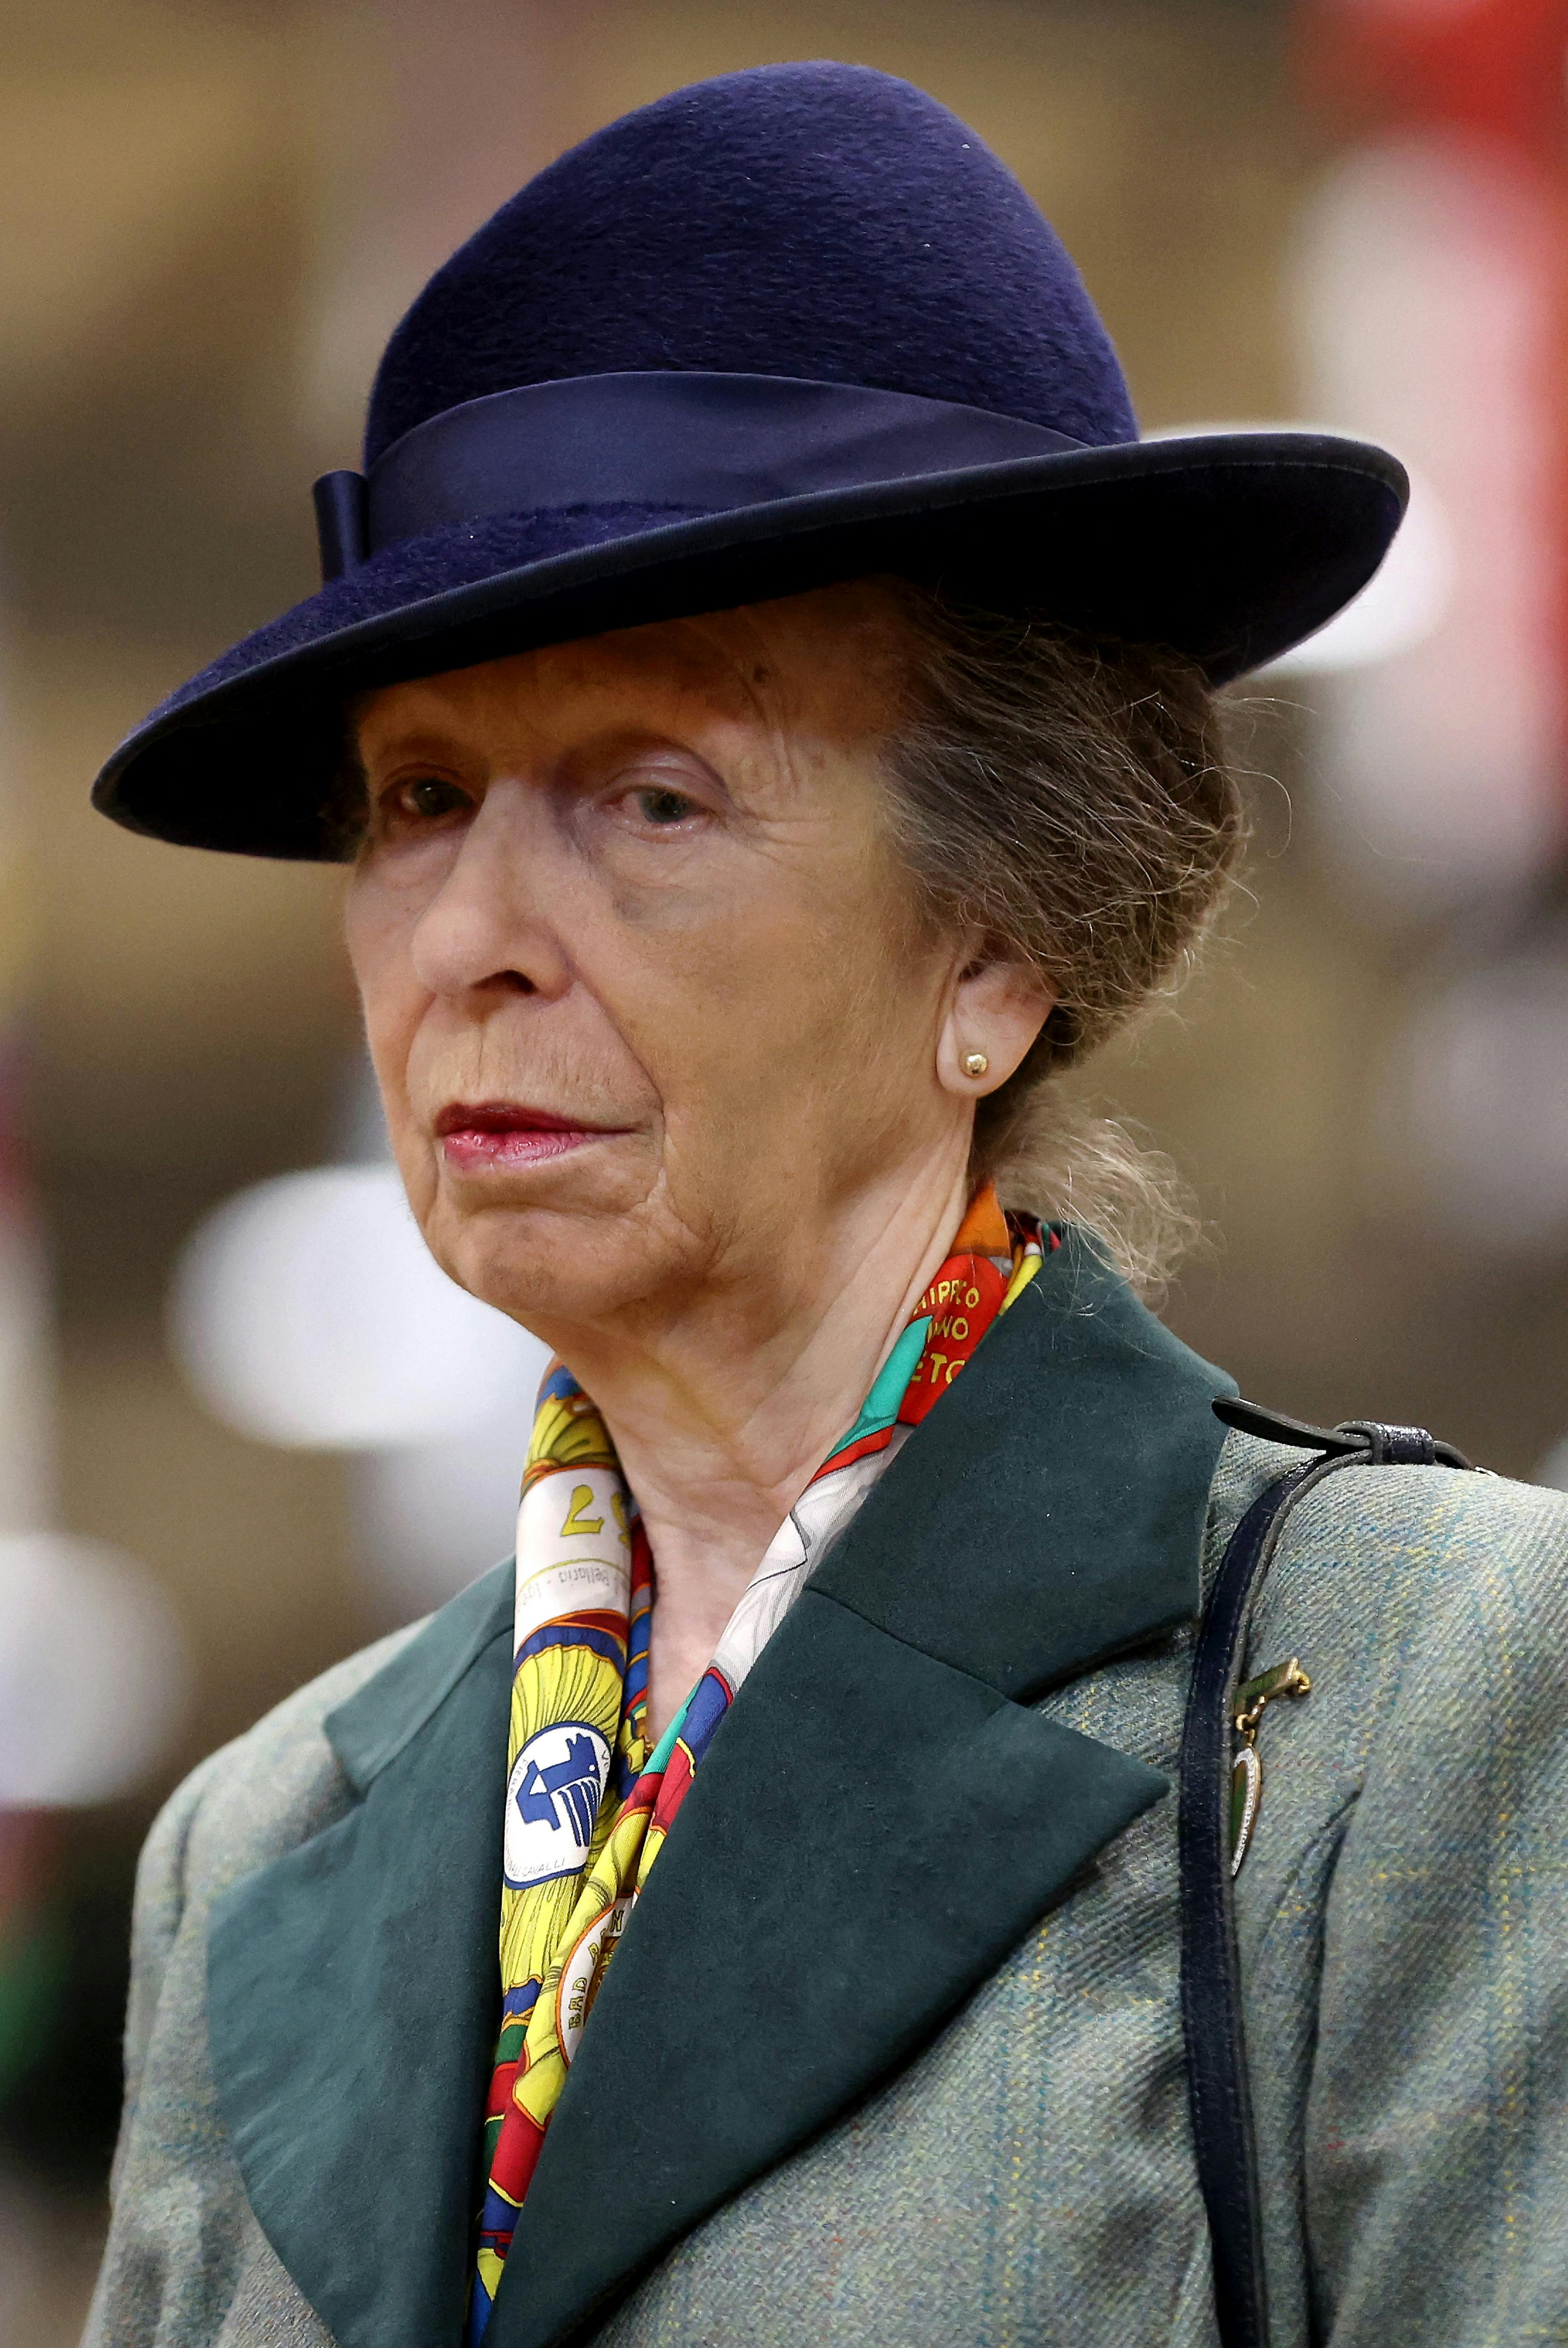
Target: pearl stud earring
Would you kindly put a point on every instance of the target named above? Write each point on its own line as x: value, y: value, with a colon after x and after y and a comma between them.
x: 975, y: 1064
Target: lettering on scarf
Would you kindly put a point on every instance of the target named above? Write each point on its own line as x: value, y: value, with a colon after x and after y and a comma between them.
x: 582, y: 1973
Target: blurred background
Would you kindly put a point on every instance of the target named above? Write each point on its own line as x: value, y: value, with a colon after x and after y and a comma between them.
x: 237, y: 1435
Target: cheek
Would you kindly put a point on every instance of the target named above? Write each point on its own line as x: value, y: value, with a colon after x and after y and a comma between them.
x: 803, y: 995
x: 391, y: 999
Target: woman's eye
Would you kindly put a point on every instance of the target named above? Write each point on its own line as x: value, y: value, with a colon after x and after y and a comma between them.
x: 427, y: 798
x: 659, y: 805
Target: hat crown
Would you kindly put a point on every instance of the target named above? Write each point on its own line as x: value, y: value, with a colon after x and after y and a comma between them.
x: 821, y: 221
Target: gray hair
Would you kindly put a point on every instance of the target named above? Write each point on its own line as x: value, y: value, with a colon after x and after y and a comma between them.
x: 1070, y: 803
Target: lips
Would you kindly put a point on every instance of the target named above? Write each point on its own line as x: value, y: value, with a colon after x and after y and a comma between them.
x: 478, y: 1135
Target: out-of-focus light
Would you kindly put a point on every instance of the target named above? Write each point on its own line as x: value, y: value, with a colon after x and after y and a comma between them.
x: 1479, y: 1084
x: 307, y: 1311
x: 1424, y: 295
x: 1403, y: 604
x: 94, y: 1672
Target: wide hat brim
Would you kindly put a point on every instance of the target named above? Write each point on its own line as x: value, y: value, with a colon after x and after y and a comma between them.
x: 1228, y: 547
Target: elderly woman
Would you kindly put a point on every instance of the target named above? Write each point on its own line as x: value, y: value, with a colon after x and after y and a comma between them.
x: 762, y: 692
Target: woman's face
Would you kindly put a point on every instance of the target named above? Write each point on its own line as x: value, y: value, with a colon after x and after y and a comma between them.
x: 644, y: 992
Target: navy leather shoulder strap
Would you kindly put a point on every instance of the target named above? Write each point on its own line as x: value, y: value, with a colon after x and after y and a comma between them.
x: 1217, y: 2091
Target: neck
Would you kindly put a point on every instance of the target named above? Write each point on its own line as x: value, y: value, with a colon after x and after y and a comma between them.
x: 723, y: 1407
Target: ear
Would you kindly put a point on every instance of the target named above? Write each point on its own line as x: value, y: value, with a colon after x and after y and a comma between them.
x: 996, y: 1008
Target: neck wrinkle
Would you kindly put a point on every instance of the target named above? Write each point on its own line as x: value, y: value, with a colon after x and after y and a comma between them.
x: 716, y: 1459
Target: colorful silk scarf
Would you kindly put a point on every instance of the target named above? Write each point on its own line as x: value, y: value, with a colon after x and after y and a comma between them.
x: 589, y: 1804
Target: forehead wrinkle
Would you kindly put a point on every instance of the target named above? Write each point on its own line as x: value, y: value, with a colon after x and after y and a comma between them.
x: 833, y: 658
x: 821, y: 673
x: 676, y: 658
x: 547, y: 692
x: 798, y: 666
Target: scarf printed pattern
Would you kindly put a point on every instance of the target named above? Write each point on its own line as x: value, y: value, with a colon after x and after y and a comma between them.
x: 589, y: 1804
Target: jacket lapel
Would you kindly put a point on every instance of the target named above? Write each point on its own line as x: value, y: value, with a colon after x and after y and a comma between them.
x: 351, y: 1993
x: 882, y: 1818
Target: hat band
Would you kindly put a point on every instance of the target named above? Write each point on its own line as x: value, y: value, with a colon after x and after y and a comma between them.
x: 704, y: 443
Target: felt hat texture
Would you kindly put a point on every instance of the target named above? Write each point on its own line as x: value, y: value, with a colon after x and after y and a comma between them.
x: 792, y: 326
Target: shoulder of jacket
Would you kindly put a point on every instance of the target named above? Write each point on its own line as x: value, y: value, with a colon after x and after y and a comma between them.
x: 1428, y: 1606
x: 1390, y: 1502
x: 1245, y: 1469
x: 1384, y: 1544
x: 270, y: 1788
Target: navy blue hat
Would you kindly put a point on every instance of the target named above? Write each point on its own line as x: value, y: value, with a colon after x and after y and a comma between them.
x: 789, y: 327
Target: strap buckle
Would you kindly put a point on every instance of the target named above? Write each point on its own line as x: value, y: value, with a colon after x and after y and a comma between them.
x: 1371, y: 1439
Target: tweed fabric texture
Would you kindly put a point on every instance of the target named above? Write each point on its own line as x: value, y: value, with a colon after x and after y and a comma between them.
x: 1405, y: 1934
x: 186, y: 2260
x: 1028, y: 2177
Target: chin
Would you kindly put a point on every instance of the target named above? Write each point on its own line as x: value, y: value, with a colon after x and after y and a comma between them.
x: 547, y: 1264
x: 549, y: 1290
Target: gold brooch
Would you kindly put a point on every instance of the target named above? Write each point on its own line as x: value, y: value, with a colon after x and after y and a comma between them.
x: 1247, y: 1775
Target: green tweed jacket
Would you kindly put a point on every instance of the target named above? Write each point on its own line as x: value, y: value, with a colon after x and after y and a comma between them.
x: 891, y: 2053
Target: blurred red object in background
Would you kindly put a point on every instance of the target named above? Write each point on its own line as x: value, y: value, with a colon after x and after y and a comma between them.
x: 1492, y: 66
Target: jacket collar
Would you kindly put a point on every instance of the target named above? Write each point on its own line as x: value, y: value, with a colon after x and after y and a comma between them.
x: 1054, y: 1503
x: 826, y: 1904
x: 351, y: 1992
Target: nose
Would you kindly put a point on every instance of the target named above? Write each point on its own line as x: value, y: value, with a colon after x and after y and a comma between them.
x: 487, y: 927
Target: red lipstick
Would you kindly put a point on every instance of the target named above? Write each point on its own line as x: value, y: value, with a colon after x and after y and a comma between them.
x: 475, y: 1135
